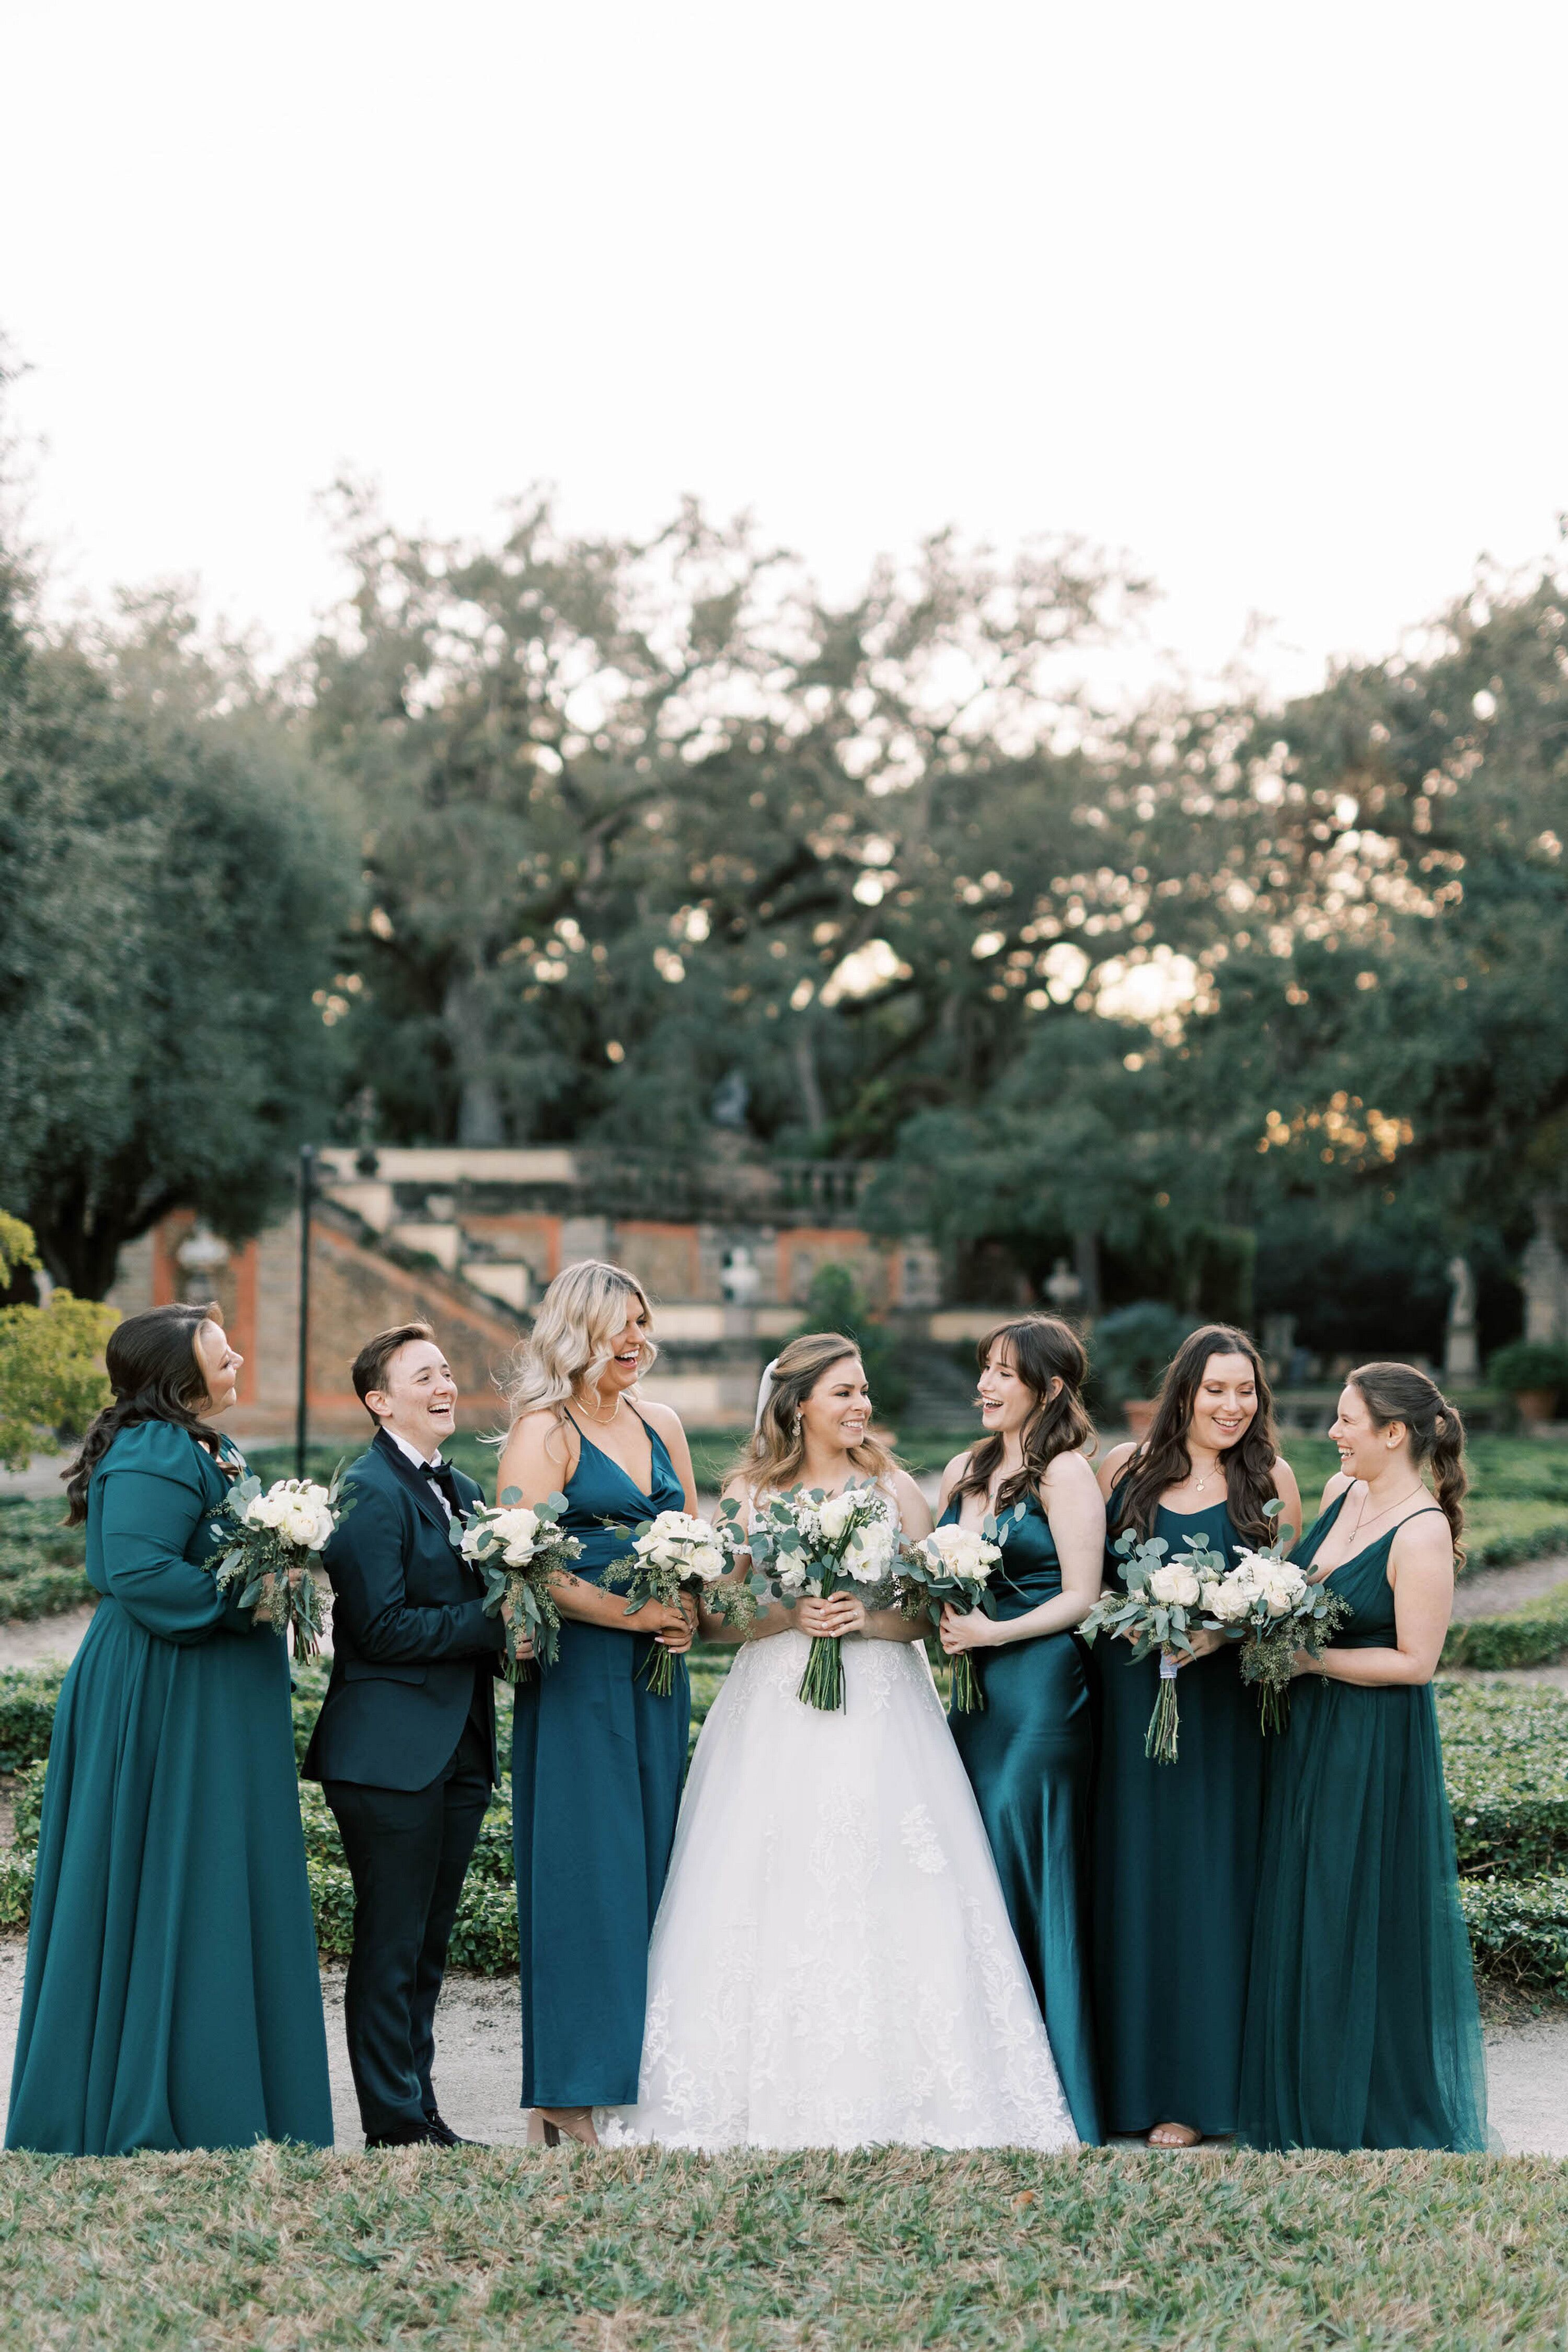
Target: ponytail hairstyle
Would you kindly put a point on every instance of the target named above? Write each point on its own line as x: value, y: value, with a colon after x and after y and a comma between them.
x: 1043, y: 1348
x: 151, y: 1364
x: 1163, y: 1460
x: 776, y: 1455
x: 1437, y: 1435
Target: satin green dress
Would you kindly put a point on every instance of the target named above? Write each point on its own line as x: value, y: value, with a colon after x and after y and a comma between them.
x: 1174, y: 1861
x: 597, y: 1765
x: 173, y: 1997
x: 1362, y: 2030
x: 1029, y: 1754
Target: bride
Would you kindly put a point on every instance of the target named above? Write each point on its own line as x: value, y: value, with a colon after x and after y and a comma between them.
x: 832, y: 1963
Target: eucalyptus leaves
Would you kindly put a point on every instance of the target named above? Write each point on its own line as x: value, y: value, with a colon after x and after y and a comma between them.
x: 273, y: 1537
x: 520, y: 1548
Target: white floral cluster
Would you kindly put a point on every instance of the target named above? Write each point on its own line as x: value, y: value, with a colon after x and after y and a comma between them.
x: 296, y: 1509
x: 960, y: 1552
x: 867, y: 1554
x: 512, y: 1531
x: 688, y: 1546
x: 1259, y: 1585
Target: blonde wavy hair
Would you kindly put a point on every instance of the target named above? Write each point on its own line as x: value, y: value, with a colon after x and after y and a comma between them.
x: 580, y: 1316
x: 775, y: 1458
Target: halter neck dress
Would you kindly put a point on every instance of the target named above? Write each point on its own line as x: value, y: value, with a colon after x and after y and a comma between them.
x: 1175, y: 1871
x: 596, y: 1771
x: 1029, y: 1754
x: 1362, y: 2030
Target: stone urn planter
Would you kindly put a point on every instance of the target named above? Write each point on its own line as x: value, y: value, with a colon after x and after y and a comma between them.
x: 1535, y: 1406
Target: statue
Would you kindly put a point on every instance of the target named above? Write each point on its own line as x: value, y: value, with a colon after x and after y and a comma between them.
x: 740, y: 1277
x: 1461, y: 1357
x: 729, y: 1100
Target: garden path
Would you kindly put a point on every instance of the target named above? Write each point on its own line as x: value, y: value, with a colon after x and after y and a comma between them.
x: 479, y: 2064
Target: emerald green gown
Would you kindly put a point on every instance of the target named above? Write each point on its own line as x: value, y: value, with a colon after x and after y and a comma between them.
x: 1029, y: 1754
x: 173, y: 1998
x: 1362, y: 2030
x: 1173, y: 1862
x: 597, y: 1766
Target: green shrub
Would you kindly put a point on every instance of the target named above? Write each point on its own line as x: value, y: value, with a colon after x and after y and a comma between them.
x: 1501, y: 1534
x: 27, y: 1695
x: 1519, y: 1930
x: 1528, y: 1364
x: 1132, y: 1347
x: 1505, y: 1761
x: 1536, y: 1635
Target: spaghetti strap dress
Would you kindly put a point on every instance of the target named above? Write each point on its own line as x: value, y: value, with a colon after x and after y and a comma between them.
x: 1174, y: 1857
x: 1029, y: 1754
x: 1362, y: 2030
x: 597, y: 1764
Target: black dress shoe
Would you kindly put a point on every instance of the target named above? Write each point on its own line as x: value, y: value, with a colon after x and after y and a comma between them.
x: 413, y: 2135
x: 441, y: 2130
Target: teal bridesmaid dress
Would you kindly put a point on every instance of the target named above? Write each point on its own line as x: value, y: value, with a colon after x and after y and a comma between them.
x: 1362, y: 2030
x: 173, y: 1997
x: 1029, y: 1754
x: 597, y: 1763
x: 1175, y: 1873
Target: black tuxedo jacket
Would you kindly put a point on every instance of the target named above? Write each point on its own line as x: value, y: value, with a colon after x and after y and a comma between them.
x: 408, y: 1631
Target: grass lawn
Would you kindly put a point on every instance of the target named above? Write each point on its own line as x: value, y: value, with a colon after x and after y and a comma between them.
x: 881, y: 2249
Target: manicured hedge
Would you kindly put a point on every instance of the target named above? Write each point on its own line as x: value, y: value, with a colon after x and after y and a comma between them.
x: 41, y: 1569
x: 1519, y: 1930
x: 1505, y: 1756
x: 1505, y: 1759
x: 1536, y: 1635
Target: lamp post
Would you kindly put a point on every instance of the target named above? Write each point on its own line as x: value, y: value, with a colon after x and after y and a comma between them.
x: 301, y: 1406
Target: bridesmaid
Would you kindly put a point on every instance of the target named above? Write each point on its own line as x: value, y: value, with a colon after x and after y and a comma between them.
x: 1029, y: 1753
x: 173, y: 1997
x: 597, y: 1760
x: 1361, y: 2024
x: 1175, y: 1851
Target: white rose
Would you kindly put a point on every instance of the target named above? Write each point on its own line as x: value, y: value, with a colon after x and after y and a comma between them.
x: 1209, y: 1595
x: 791, y: 1576
x: 834, y: 1514
x: 1177, y: 1586
x: 1232, y: 1600
x: 1280, y: 1593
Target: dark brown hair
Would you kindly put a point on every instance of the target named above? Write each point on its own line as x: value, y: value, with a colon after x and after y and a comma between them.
x: 151, y: 1364
x: 1044, y: 1349
x: 1163, y: 1460
x: 1399, y: 1392
x: 370, y: 1366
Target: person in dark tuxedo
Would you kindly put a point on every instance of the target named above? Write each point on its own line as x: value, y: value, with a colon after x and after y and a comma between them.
x: 405, y: 1746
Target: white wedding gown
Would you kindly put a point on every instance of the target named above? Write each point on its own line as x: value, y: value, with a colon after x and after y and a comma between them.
x: 832, y: 1965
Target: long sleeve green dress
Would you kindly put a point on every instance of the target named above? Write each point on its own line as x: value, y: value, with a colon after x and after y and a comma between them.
x: 173, y: 1997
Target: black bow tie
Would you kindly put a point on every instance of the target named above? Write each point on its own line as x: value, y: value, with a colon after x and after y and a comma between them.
x: 442, y: 1478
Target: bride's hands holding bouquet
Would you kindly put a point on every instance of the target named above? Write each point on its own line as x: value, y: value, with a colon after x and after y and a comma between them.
x: 832, y: 1616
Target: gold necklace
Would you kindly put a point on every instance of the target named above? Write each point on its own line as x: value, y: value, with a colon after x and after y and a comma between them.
x: 603, y: 1419
x: 1361, y: 1520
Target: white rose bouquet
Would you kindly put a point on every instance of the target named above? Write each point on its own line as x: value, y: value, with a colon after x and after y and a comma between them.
x: 520, y: 1548
x: 273, y: 1538
x: 810, y: 1542
x: 955, y: 1564
x: 671, y: 1554
x: 1268, y: 1607
x: 1159, y: 1610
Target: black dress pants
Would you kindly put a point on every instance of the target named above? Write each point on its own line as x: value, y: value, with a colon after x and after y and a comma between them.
x: 408, y: 1852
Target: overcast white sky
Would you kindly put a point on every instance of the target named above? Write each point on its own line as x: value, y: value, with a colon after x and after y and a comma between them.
x: 1269, y: 296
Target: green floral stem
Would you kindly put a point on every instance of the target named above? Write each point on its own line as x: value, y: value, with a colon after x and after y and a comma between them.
x: 968, y: 1691
x: 661, y: 1671
x: 822, y: 1684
